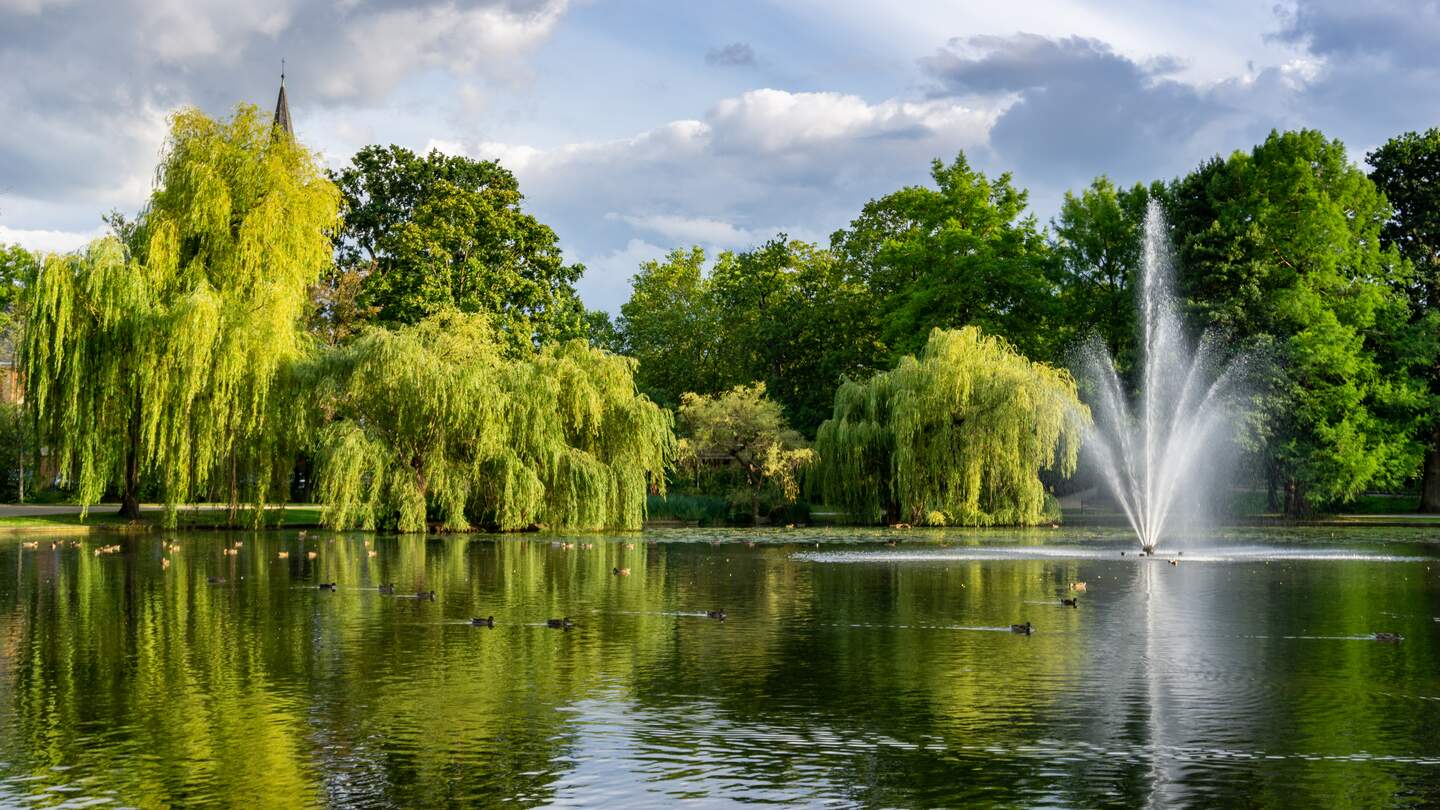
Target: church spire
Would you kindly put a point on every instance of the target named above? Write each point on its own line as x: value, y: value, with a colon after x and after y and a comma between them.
x: 282, y: 107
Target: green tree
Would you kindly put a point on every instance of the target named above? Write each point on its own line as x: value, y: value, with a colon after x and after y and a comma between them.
x: 959, y: 254
x: 430, y: 233
x: 786, y: 314
x: 744, y: 430
x: 1280, y: 248
x: 437, y: 423
x: 957, y: 436
x: 667, y: 325
x: 1098, y: 241
x: 161, y: 362
x: 1407, y: 171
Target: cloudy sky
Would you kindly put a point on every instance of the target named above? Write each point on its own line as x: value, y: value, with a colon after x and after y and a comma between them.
x: 640, y: 125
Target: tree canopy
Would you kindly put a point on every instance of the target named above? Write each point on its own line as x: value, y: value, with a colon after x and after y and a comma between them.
x: 962, y: 253
x: 955, y: 436
x: 427, y: 233
x: 1407, y: 170
x: 434, y: 423
x: 1280, y: 248
x: 157, y: 360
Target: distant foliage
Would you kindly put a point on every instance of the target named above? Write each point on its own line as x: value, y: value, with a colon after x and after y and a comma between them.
x: 744, y: 430
x: 159, y: 358
x: 426, y: 233
x: 433, y: 423
x: 957, y: 436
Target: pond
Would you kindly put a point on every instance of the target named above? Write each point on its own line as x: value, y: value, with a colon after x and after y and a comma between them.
x: 847, y: 672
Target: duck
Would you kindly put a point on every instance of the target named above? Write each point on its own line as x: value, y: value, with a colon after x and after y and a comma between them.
x: 629, y: 546
x: 1077, y: 586
x: 284, y: 555
x: 387, y: 587
x: 310, y: 555
x: 716, y: 614
x: 588, y: 546
x: 372, y: 553
x: 899, y: 525
x: 1388, y: 638
x: 560, y: 624
x: 1073, y: 602
x: 1174, y: 562
x: 239, y: 543
x: 425, y: 596
x: 230, y: 552
x: 1023, y: 629
x: 165, y: 562
x: 488, y: 621
x: 31, y: 544
x: 215, y: 580
x: 326, y: 586
x: 620, y: 572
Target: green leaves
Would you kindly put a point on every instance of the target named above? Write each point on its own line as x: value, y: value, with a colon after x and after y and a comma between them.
x: 437, y: 423
x: 160, y: 366
x: 425, y: 234
x: 957, y: 436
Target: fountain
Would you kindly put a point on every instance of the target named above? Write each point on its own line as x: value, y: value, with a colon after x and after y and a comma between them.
x: 1152, y: 455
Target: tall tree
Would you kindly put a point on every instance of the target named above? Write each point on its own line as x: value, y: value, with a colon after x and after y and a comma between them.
x: 1407, y: 171
x: 161, y: 362
x: 433, y: 423
x: 1098, y: 238
x: 955, y: 436
x: 667, y: 325
x: 425, y: 234
x: 1280, y: 248
x: 962, y: 253
x: 787, y: 315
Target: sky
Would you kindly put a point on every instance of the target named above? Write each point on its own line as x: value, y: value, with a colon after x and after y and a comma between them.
x: 639, y: 126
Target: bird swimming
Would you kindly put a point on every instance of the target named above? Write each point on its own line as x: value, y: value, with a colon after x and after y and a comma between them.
x: 560, y: 624
x: 326, y: 586
x: 1023, y: 629
x: 488, y: 621
x: 387, y: 587
x: 1073, y: 602
x: 715, y: 614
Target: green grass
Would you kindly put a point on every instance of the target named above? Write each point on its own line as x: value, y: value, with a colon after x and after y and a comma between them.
x: 712, y: 510
x: 294, y: 517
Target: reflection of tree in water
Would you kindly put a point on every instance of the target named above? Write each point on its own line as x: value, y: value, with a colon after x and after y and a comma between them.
x: 859, y: 682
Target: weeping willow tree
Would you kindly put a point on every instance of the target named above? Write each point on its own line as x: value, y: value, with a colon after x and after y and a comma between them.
x: 157, y: 358
x: 957, y: 436
x: 432, y: 423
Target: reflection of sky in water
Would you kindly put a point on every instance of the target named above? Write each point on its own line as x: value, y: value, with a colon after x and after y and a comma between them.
x: 1247, y: 674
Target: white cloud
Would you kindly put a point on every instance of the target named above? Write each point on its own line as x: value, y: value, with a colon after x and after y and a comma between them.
x: 46, y: 241
x: 691, y: 230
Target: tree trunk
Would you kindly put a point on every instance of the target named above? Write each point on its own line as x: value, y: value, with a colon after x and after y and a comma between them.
x: 130, y: 500
x: 1430, y: 481
x: 1296, y: 504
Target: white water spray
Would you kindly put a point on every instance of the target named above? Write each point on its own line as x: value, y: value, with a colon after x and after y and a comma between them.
x: 1152, y: 456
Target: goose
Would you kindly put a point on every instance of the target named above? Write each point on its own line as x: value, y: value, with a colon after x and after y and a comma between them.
x: 1023, y: 629
x: 488, y: 621
x: 715, y: 614
x: 560, y: 624
x: 1077, y: 586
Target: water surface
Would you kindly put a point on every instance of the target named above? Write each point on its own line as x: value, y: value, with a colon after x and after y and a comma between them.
x: 848, y: 671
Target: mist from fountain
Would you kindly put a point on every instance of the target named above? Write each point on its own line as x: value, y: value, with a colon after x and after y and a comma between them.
x: 1171, y: 441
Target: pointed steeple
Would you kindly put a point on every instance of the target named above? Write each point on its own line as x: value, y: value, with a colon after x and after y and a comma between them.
x: 282, y: 107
